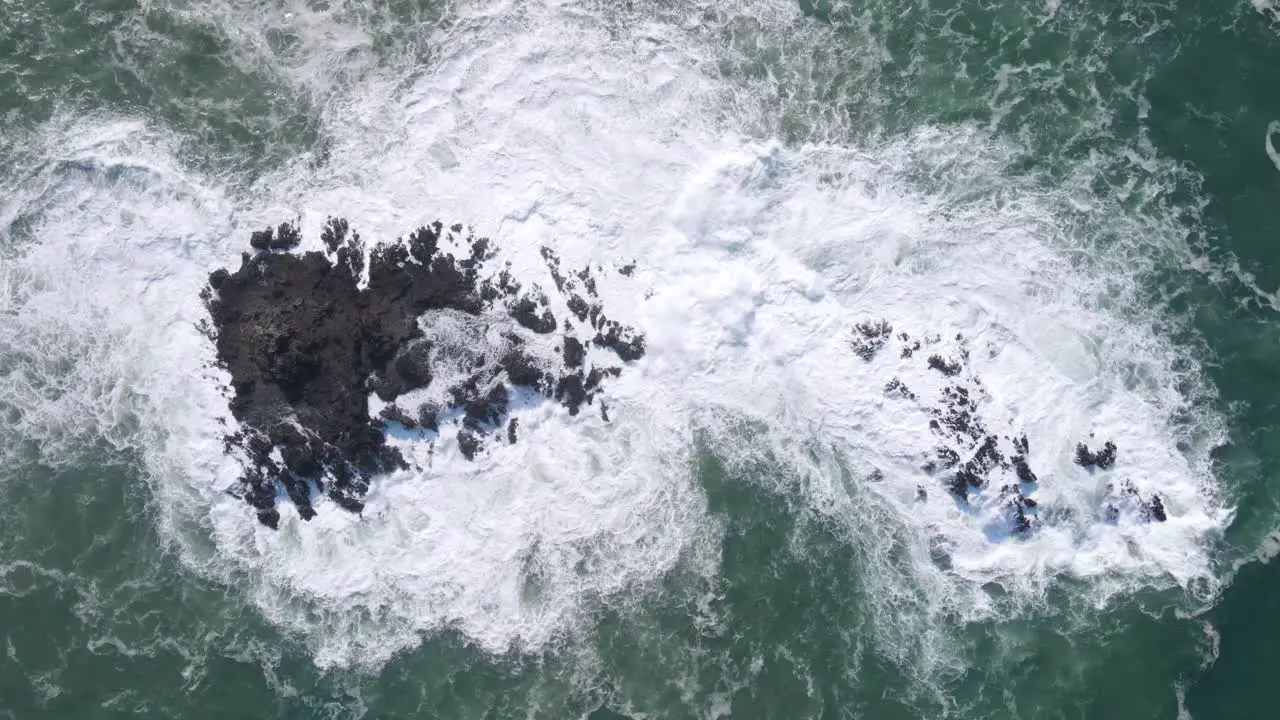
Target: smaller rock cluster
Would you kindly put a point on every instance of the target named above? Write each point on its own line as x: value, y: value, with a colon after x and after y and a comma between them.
x: 1149, y: 508
x: 969, y: 457
x: 1102, y: 459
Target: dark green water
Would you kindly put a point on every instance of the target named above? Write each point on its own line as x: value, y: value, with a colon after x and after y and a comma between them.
x: 1156, y: 113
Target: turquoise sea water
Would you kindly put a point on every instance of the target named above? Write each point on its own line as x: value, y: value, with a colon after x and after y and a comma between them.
x: 1087, y: 188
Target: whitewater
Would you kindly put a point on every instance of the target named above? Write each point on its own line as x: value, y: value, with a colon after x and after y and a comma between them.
x: 611, y: 138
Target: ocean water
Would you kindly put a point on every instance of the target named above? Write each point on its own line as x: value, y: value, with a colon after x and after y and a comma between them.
x: 1077, y: 195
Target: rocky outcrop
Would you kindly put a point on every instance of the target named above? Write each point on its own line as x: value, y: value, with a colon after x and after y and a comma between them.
x: 969, y: 457
x: 869, y: 337
x: 306, y: 343
x: 1126, y: 499
x: 1102, y: 459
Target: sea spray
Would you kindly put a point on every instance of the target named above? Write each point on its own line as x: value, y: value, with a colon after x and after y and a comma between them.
x: 754, y: 259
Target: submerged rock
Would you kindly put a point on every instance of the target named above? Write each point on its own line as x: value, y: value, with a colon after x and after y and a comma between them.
x: 950, y: 368
x: 869, y: 337
x: 1155, y: 509
x: 968, y: 457
x: 1126, y: 499
x: 305, y: 343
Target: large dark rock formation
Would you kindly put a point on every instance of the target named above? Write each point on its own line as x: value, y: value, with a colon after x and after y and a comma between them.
x: 306, y: 344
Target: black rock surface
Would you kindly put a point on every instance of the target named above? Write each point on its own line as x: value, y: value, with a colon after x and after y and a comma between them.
x: 1103, y: 458
x: 305, y: 343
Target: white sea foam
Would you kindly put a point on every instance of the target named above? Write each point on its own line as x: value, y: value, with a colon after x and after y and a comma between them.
x: 1268, y: 8
x: 1273, y: 129
x: 549, y: 124
x: 105, y: 239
